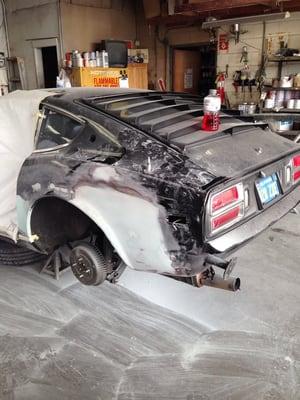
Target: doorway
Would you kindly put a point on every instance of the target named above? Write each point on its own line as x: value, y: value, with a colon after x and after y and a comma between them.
x: 50, y: 66
x: 194, y: 69
x: 46, y: 56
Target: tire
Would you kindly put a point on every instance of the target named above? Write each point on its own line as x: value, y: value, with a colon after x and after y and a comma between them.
x: 88, y: 264
x: 12, y: 254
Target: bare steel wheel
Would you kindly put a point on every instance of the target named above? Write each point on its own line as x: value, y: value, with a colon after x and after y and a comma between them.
x: 88, y: 264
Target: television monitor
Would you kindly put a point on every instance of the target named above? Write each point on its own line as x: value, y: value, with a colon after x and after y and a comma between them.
x: 117, y: 52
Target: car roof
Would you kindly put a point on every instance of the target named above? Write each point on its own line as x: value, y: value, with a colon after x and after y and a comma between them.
x: 174, y: 118
x: 57, y: 96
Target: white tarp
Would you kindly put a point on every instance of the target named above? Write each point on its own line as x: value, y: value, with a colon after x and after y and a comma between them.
x: 18, y: 117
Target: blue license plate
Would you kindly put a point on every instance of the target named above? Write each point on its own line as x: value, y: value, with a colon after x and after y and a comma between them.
x: 268, y: 189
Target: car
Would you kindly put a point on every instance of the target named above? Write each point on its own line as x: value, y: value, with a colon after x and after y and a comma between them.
x: 123, y: 177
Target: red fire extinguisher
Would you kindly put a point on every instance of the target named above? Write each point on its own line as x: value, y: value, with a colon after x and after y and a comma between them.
x: 220, y: 82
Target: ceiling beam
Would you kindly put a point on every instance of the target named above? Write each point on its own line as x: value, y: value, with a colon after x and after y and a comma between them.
x: 189, y: 18
x: 205, y: 6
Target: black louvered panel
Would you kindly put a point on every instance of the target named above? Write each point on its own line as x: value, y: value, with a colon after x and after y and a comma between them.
x: 171, y: 130
x: 155, y: 125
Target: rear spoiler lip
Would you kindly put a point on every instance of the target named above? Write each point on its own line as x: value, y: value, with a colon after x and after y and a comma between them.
x: 218, y: 134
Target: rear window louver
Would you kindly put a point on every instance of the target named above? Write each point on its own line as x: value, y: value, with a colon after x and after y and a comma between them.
x: 174, y: 118
x: 161, y: 114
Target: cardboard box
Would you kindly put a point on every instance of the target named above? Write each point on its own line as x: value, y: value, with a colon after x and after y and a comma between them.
x: 138, y: 54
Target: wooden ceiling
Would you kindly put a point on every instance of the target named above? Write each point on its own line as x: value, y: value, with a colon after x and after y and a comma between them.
x: 189, y: 11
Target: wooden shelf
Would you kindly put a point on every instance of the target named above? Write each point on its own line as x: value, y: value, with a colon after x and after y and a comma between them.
x: 282, y: 110
x: 269, y: 87
x: 283, y: 59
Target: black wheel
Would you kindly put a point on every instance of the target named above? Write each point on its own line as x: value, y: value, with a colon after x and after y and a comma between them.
x: 12, y: 254
x: 88, y: 264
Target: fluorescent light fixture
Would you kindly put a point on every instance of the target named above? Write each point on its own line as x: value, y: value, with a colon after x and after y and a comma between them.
x: 244, y: 20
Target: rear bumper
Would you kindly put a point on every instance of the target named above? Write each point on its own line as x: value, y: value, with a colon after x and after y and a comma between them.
x: 239, y: 236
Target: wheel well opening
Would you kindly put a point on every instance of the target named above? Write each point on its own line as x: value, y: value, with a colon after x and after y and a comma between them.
x: 57, y: 222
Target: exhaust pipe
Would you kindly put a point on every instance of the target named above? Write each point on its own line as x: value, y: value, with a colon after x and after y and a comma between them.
x: 218, y: 282
x: 210, y: 278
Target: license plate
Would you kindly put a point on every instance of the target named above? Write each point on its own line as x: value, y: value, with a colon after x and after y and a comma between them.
x: 268, y: 189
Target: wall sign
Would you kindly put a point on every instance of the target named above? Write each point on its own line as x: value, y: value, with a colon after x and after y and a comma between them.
x: 223, y: 43
x: 188, y: 79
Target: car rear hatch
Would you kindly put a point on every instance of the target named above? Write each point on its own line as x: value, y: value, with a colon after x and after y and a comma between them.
x: 257, y: 172
x: 237, y: 147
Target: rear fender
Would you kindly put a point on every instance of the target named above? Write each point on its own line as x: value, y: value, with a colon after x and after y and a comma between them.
x: 136, y: 227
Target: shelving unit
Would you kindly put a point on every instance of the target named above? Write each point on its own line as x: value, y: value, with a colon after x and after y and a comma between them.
x: 281, y: 60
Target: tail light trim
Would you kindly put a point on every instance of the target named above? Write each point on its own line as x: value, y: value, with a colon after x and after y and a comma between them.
x: 227, y: 218
x: 226, y: 207
x: 237, y: 192
x: 295, y: 166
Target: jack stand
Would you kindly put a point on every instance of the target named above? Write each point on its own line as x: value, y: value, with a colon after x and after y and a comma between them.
x: 56, y: 264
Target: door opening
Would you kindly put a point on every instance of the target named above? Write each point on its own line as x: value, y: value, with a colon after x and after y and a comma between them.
x: 194, y: 69
x: 50, y: 66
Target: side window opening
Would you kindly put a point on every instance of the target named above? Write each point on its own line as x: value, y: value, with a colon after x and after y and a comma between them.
x: 57, y: 129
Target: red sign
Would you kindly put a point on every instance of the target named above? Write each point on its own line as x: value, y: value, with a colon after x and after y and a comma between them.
x: 223, y: 42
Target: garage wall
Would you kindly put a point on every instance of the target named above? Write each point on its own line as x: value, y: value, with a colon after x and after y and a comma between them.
x: 87, y: 22
x: 159, y: 41
x: 29, y: 20
x: 3, y: 47
x: 253, y: 40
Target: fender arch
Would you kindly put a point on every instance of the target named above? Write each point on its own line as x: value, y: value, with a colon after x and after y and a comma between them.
x: 135, y: 227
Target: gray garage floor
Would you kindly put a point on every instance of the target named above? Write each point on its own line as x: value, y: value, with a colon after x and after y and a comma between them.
x: 61, y: 340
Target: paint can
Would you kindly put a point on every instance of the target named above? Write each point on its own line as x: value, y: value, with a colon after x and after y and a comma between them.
x: 272, y: 94
x: 297, y: 104
x: 287, y: 96
x: 269, y: 103
x: 279, y: 101
x: 286, y: 82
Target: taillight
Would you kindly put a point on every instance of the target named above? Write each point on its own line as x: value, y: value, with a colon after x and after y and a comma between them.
x: 227, y: 217
x: 223, y: 199
x: 296, y: 161
x: 296, y: 176
x: 296, y: 168
x: 226, y: 207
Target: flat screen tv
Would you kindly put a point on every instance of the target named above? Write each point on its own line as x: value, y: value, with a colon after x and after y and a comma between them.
x: 117, y: 52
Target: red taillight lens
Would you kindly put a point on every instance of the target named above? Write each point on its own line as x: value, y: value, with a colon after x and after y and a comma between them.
x: 296, y: 161
x: 225, y: 198
x: 296, y: 167
x: 296, y: 175
x: 227, y: 207
x: 226, y: 218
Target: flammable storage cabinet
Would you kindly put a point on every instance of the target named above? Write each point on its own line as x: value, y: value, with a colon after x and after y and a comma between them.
x: 110, y: 77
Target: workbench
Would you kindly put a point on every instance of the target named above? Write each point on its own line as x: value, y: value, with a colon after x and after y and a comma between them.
x: 109, y: 77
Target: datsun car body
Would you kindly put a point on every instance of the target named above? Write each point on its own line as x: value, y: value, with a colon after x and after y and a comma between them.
x: 132, y: 174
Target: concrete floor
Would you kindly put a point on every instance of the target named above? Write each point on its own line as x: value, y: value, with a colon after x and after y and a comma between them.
x: 61, y: 340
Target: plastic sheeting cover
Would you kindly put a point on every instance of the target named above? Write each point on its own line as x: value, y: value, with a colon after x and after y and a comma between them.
x: 18, y: 118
